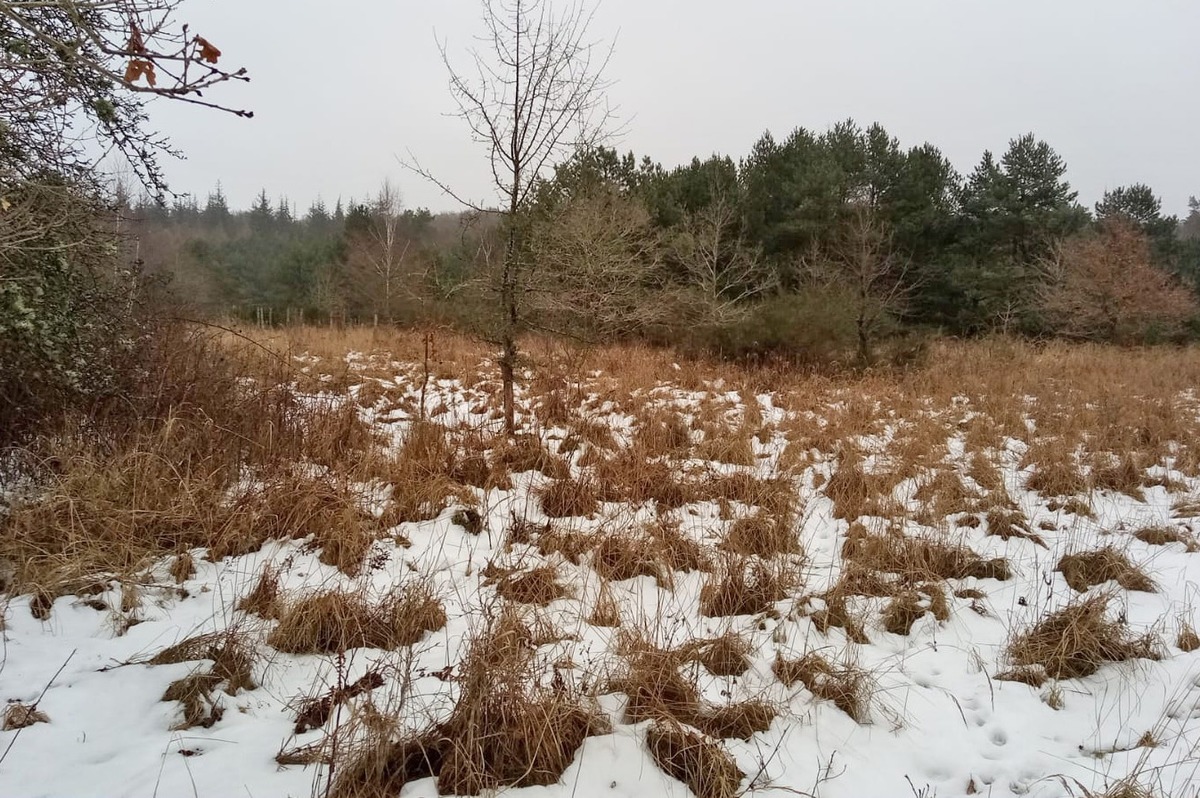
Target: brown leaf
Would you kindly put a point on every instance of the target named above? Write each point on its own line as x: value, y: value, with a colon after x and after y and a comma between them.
x: 138, y: 68
x: 135, y: 44
x: 207, y: 51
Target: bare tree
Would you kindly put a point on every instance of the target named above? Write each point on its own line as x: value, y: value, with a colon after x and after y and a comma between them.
x: 1105, y: 287
x: 532, y: 93
x: 863, y: 264
x: 719, y: 270
x: 597, y: 267
x: 380, y: 261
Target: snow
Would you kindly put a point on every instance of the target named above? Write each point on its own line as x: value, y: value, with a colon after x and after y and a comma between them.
x: 941, y: 724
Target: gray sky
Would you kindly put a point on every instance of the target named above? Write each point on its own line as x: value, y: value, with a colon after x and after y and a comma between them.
x: 341, y: 89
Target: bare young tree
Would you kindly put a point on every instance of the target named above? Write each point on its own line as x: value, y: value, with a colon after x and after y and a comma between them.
x: 863, y: 264
x: 379, y: 261
x: 598, y: 267
x: 1105, y: 287
x: 533, y: 92
x: 719, y: 270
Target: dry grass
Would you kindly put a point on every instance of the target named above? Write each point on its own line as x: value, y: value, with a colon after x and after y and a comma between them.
x: 1034, y: 676
x: 727, y: 655
x: 1055, y: 472
x: 569, y: 497
x: 538, y: 586
x: 919, y: 559
x: 945, y: 494
x: 338, y: 620
x: 907, y: 607
x: 507, y: 728
x: 527, y: 453
x: 705, y: 767
x: 662, y: 432
x: 746, y: 586
x: 1164, y: 536
x: 632, y: 476
x: 606, y: 611
x: 232, y: 662
x: 19, y: 716
x: 847, y: 686
x: 1077, y: 640
x: 1087, y: 569
x: 855, y: 492
x: 1187, y: 640
x: 1007, y: 522
x: 265, y: 598
x: 657, y: 689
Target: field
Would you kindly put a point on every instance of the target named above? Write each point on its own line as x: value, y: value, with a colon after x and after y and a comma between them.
x: 327, y: 572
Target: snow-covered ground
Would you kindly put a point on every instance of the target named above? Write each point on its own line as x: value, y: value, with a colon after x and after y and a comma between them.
x: 941, y: 724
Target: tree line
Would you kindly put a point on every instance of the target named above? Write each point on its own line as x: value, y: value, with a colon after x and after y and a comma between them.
x: 814, y: 243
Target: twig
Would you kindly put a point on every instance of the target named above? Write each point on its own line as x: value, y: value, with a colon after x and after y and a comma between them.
x: 33, y: 707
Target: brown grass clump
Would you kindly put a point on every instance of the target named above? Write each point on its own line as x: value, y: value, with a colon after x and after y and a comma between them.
x: 744, y: 586
x: 847, y: 686
x: 1034, y: 676
x: 1090, y: 568
x: 727, y: 655
x: 606, y: 611
x: 1008, y: 522
x: 945, y: 494
x: 907, y: 607
x: 856, y: 493
x: 1055, y: 472
x: 1187, y: 640
x: 740, y: 720
x: 836, y: 613
x: 539, y: 586
x: 183, y: 567
x: 313, y: 713
x: 1163, y: 536
x: 656, y: 689
x: 194, y: 692
x: 20, y: 716
x: 230, y: 652
x: 631, y: 476
x: 1119, y: 474
x: 919, y: 559
x: 507, y: 729
x: 528, y: 453
x: 985, y: 473
x: 618, y: 557
x: 762, y: 534
x: 232, y: 659
x: 566, y: 498
x: 653, y: 684
x: 706, y: 768
x: 264, y: 599
x: 732, y: 446
x: 1077, y: 640
x: 338, y: 620
x: 662, y: 431
x: 422, y: 475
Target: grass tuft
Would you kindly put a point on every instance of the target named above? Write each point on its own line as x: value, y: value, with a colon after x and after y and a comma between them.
x: 1087, y: 569
x: 1077, y: 640
x: 335, y: 621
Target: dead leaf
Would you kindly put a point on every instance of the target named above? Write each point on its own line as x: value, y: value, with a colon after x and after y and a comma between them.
x: 138, y: 68
x: 135, y: 45
x: 207, y: 51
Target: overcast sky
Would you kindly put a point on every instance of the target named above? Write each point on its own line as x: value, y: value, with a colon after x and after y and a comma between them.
x: 341, y: 89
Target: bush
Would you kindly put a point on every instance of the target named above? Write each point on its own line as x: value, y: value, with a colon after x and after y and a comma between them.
x: 816, y: 327
x: 69, y: 325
